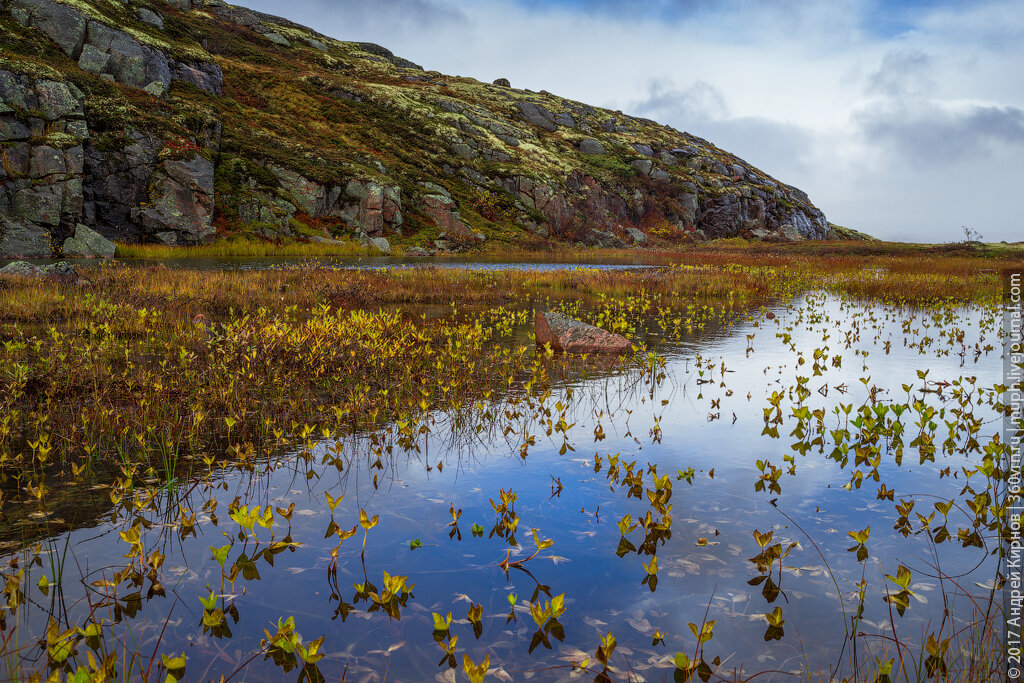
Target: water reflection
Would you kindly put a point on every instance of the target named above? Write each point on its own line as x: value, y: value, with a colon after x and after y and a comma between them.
x: 668, y: 500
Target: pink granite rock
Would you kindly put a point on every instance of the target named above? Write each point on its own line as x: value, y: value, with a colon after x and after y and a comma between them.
x: 572, y: 336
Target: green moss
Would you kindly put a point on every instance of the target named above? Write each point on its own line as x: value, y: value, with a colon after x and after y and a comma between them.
x: 56, y: 139
x: 844, y: 233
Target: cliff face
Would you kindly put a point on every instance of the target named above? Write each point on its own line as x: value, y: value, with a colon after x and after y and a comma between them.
x: 177, y: 121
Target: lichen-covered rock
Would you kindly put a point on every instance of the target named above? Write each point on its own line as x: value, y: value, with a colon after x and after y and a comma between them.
x: 443, y: 211
x: 565, y: 334
x: 87, y: 243
x: 638, y: 237
x: 61, y: 270
x: 180, y: 201
x: 116, y: 53
x: 21, y: 239
x: 64, y: 25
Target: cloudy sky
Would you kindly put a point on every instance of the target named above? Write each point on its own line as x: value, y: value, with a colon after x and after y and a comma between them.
x: 902, y: 119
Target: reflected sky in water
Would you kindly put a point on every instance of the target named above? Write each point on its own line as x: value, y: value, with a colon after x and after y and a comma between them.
x: 697, y: 417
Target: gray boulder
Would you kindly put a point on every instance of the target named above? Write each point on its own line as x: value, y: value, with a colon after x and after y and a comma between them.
x: 591, y: 146
x: 61, y: 269
x: 113, y: 52
x: 379, y: 243
x: 637, y: 236
x: 147, y: 16
x: 643, y: 166
x: 503, y: 82
x: 87, y: 243
x: 62, y: 24
x: 538, y: 115
x: 602, y: 238
x: 277, y: 39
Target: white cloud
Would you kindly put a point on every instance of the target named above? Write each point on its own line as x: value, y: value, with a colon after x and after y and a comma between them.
x: 892, y: 124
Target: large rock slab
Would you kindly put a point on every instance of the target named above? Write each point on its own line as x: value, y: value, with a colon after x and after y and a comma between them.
x: 572, y: 336
x: 538, y: 115
x: 19, y: 239
x: 87, y: 243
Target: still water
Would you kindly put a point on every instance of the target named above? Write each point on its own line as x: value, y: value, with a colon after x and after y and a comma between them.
x: 702, y: 420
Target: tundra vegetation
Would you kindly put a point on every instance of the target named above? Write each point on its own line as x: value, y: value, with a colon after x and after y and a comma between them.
x: 317, y: 473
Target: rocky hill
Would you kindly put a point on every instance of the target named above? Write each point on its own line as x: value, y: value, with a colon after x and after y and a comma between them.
x: 183, y: 120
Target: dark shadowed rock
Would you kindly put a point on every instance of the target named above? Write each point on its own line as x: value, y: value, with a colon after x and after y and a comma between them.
x: 503, y: 82
x: 21, y: 239
x: 602, y: 238
x: 538, y: 115
x: 565, y: 334
x: 204, y: 76
x: 180, y: 206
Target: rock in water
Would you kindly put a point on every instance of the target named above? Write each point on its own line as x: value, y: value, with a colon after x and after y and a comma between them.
x: 572, y: 336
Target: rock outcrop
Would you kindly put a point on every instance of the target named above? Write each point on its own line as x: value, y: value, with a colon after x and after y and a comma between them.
x: 42, y: 129
x: 171, y: 120
x: 565, y: 334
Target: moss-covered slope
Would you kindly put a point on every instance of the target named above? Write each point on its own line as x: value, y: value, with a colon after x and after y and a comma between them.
x: 180, y: 121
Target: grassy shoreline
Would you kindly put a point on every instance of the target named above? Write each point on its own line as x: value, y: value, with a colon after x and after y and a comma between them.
x: 737, y: 248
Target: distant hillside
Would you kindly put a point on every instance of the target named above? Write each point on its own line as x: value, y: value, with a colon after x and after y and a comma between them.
x: 180, y: 121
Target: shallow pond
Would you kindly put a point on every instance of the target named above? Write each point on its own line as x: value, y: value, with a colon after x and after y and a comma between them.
x: 691, y: 449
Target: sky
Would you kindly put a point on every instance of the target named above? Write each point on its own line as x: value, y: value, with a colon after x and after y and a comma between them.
x: 901, y: 119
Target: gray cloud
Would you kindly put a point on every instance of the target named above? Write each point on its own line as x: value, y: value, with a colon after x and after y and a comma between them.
x: 778, y: 148
x: 927, y: 133
x: 905, y: 73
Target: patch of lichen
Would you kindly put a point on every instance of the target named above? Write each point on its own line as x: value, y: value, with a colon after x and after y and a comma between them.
x: 23, y: 52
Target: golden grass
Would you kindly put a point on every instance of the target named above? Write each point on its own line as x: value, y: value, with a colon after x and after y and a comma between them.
x: 245, y: 248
